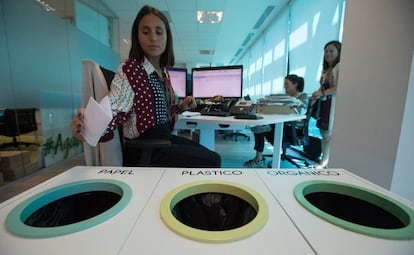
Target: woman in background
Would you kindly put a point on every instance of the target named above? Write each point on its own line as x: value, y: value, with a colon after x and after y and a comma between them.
x: 326, y: 93
x: 294, y: 86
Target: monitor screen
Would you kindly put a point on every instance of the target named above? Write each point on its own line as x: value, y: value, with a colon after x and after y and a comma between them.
x: 178, y: 78
x: 211, y: 81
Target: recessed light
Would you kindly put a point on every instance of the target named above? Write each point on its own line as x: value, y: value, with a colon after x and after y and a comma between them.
x: 211, y: 17
x: 207, y: 52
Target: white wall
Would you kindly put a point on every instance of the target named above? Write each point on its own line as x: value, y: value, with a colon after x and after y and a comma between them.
x: 378, y: 43
x: 402, y: 181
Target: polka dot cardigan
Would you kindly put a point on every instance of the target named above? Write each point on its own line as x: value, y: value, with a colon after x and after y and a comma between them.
x: 139, y: 100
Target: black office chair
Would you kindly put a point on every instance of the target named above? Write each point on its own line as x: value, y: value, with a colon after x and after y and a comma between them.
x: 236, y: 134
x: 142, y: 148
x: 298, y: 135
x: 295, y: 135
x: 15, y: 122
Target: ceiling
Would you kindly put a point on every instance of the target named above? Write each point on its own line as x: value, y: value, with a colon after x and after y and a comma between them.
x: 243, y: 21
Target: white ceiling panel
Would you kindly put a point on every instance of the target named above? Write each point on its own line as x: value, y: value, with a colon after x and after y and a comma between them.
x: 181, y: 5
x: 225, y: 38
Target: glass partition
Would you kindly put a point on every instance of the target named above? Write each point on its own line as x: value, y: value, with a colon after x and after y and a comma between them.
x: 42, y: 44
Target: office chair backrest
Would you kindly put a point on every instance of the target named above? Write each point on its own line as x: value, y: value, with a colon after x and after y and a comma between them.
x: 109, y: 75
x: 298, y: 133
x: 94, y: 85
x: 303, y: 139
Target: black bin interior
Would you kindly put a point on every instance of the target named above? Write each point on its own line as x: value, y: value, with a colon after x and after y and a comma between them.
x: 214, y: 211
x: 72, y: 209
x: 355, y: 210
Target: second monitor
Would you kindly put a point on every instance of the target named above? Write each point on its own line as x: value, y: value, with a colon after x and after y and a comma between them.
x: 178, y: 77
x: 225, y: 81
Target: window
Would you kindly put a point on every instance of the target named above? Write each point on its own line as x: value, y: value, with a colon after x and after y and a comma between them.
x: 292, y: 43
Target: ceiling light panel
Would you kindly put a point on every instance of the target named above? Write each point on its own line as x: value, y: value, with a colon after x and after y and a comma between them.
x: 209, y: 17
x: 207, y: 52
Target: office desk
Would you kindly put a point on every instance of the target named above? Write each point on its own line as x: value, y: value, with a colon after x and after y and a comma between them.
x: 209, y: 124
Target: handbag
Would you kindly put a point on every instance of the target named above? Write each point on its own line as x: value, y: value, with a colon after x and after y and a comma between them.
x: 315, y: 109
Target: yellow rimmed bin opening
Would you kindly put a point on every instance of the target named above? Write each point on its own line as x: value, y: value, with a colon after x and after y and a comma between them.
x: 219, y: 196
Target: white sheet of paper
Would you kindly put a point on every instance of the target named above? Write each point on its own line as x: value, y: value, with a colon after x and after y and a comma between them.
x: 190, y: 114
x: 96, y: 119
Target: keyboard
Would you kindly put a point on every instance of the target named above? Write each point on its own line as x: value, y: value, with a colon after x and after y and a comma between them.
x: 215, y: 113
x: 248, y: 116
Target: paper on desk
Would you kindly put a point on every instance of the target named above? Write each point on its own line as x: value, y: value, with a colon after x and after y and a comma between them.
x: 96, y: 119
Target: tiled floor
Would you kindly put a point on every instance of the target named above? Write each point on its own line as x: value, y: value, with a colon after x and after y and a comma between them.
x: 233, y: 154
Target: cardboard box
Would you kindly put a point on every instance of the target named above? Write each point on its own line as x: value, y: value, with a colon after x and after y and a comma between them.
x: 13, y: 159
x: 16, y: 164
x: 20, y: 171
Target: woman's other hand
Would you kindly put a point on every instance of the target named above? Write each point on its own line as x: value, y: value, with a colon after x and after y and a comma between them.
x: 187, y: 103
x: 317, y: 94
x: 77, y: 124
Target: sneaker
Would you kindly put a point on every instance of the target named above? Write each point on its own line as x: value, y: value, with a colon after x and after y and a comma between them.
x: 254, y: 163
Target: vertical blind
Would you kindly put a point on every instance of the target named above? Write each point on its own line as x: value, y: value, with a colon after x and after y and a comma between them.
x: 292, y: 43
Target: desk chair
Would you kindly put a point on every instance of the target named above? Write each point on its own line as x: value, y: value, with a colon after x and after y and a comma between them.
x: 295, y: 135
x: 15, y: 122
x: 298, y: 135
x: 143, y: 147
x: 235, y: 134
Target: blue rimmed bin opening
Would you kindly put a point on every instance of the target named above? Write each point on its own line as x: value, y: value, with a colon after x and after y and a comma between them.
x: 68, y: 208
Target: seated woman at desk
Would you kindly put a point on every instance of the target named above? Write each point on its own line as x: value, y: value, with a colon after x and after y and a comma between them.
x: 142, y: 99
x: 294, y: 86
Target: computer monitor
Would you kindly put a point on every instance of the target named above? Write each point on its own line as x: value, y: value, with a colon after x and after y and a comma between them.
x: 212, y: 81
x: 178, y: 78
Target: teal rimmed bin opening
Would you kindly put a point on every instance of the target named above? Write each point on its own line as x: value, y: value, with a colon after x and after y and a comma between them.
x: 68, y: 208
x: 357, y: 209
x: 214, y: 211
